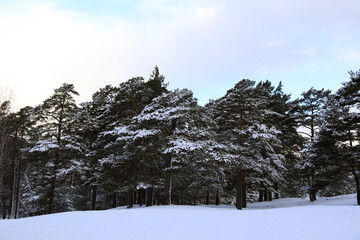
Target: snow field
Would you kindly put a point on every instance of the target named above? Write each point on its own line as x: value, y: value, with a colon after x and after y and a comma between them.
x: 328, y: 222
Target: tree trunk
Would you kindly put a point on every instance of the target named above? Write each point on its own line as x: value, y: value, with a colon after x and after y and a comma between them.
x: 270, y: 198
x: 93, y: 197
x: 4, y: 209
x: 168, y: 182
x: 130, y: 200
x: 159, y: 200
x: 276, y: 187
x: 239, y: 191
x: 265, y: 195
x: 114, y: 202
x: 140, y: 195
x: 18, y: 188
x: 312, y: 196
x: 144, y: 196
x: 356, y: 178
x: 261, y: 196
x: 13, y: 184
x: 149, y: 197
x: 243, y: 187
x: 135, y: 198
x: 312, y: 193
x: 207, y: 199
x: 51, y: 204
x: 217, y: 199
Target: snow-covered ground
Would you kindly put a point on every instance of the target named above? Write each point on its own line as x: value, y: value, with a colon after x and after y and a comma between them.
x: 291, y: 219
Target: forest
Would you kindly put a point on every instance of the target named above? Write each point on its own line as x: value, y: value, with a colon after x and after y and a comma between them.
x: 141, y: 143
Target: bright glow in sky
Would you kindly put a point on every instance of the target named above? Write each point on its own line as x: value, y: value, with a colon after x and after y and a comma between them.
x: 204, y: 45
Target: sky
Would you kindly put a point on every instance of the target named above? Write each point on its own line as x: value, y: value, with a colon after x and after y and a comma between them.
x: 203, y: 45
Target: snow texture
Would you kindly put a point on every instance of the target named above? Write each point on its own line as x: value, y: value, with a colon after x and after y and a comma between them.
x: 328, y: 218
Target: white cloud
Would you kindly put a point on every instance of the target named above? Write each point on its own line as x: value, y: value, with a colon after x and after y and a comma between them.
x: 204, y: 45
x: 45, y: 47
x: 205, y: 14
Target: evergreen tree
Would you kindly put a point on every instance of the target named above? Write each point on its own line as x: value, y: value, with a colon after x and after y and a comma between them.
x: 310, y: 105
x: 251, y: 141
x: 282, y: 116
x: 128, y: 100
x: 58, y: 152
x: 5, y: 157
x: 156, y: 83
x: 349, y: 98
x: 168, y: 146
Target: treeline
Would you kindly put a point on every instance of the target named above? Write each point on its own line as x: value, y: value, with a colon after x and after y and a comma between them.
x: 140, y: 143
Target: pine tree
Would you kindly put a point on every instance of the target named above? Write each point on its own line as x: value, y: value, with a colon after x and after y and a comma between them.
x: 324, y: 151
x: 250, y: 140
x: 127, y: 101
x: 58, y: 152
x: 284, y: 119
x: 157, y: 83
x: 349, y: 98
x: 310, y: 105
x: 167, y: 148
x: 5, y: 157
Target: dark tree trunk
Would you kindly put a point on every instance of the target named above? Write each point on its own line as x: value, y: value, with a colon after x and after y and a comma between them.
x: 167, y: 188
x: 270, y: 198
x: 312, y: 196
x: 239, y: 191
x: 93, y: 197
x: 18, y: 187
x: 159, y: 200
x: 217, y: 199
x: 356, y: 178
x: 13, y: 178
x: 130, y: 200
x: 265, y: 195
x: 12, y: 193
x: 243, y: 188
x: 114, y: 203
x: 135, y: 198
x: 149, y: 197
x: 140, y: 197
x: 51, y: 204
x: 207, y: 199
x: 144, y: 196
x: 194, y: 201
x: 276, y: 187
x: 312, y: 193
x: 261, y: 196
x: 3, y: 209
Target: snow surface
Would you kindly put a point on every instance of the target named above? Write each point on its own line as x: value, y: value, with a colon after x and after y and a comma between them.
x: 328, y: 218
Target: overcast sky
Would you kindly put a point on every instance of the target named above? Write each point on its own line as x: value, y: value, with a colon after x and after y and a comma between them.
x: 206, y: 46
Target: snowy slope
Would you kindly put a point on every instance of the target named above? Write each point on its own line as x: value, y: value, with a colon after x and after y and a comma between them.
x: 332, y: 219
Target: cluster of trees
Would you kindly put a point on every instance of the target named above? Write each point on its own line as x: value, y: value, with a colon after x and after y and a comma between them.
x: 140, y: 143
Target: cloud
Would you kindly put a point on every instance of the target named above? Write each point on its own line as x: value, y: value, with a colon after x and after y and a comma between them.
x: 203, y: 45
x: 205, y: 14
x: 43, y: 47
